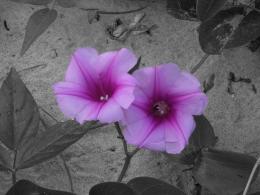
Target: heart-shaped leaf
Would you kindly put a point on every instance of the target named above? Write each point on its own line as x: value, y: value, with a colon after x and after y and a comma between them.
x: 223, y: 172
x: 215, y: 33
x: 202, y: 137
x: 111, y: 188
x: 33, y: 2
x: 248, y: 29
x: 182, y: 9
x: 25, y: 187
x: 37, y: 24
x: 208, y: 8
x: 51, y: 142
x: 67, y: 3
x: 19, y: 115
x: 152, y: 186
x: 5, y: 158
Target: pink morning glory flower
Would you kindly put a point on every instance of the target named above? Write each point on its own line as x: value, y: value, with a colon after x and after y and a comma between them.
x: 161, y: 116
x: 97, y: 86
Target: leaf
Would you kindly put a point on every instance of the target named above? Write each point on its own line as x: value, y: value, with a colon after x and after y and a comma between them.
x: 208, y: 8
x: 25, y: 187
x: 202, y: 137
x: 223, y: 172
x: 215, y: 33
x: 37, y: 24
x: 51, y: 142
x: 5, y: 158
x: 19, y: 115
x: 248, y: 29
x: 66, y: 3
x: 33, y: 2
x: 152, y: 186
x: 111, y: 188
x: 182, y: 9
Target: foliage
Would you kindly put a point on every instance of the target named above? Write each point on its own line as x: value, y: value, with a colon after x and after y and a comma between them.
x: 223, y: 25
x: 19, y: 129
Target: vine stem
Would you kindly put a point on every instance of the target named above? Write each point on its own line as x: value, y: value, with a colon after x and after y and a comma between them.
x: 196, y: 67
x: 251, y: 176
x: 52, y: 4
x: 14, y: 170
x: 128, y: 155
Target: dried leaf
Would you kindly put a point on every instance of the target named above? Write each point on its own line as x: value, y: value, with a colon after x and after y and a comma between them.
x: 67, y: 3
x: 223, y: 172
x: 51, y: 142
x: 19, y: 115
x: 25, y: 187
x: 33, y: 2
x: 37, y: 24
x: 248, y: 29
x: 111, y: 188
x: 215, y: 33
x: 208, y: 8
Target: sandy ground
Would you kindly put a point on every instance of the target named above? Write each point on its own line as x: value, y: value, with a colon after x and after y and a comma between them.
x: 98, y: 156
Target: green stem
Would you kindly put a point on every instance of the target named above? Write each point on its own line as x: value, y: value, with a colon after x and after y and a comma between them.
x: 53, y: 3
x: 14, y: 169
x: 196, y: 67
x: 251, y: 176
x: 128, y: 155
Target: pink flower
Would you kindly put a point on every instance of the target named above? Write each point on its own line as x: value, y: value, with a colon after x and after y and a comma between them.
x: 97, y: 87
x: 161, y: 116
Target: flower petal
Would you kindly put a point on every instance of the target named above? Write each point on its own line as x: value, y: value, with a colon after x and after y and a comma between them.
x: 166, y: 75
x: 176, y: 141
x: 186, y: 124
x: 110, y: 112
x: 124, y: 94
x: 193, y: 104
x: 81, y: 66
x: 71, y: 98
x: 138, y: 125
x: 145, y: 81
x: 186, y: 83
x: 89, y: 112
x: 156, y: 139
x: 116, y: 61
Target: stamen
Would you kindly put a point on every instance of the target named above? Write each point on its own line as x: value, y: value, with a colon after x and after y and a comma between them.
x: 160, y: 108
x: 104, y: 98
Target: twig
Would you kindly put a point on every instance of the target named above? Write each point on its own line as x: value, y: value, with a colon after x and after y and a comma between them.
x: 196, y: 67
x: 33, y: 67
x: 113, y: 12
x: 128, y: 155
x: 251, y: 176
x: 249, y: 6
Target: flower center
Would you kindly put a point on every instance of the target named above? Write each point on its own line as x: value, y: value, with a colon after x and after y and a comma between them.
x: 160, y: 108
x: 104, y: 98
